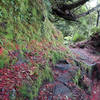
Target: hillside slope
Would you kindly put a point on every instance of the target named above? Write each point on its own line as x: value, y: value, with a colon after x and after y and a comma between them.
x: 29, y: 45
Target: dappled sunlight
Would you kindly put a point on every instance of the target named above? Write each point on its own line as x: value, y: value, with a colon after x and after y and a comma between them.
x: 92, y: 3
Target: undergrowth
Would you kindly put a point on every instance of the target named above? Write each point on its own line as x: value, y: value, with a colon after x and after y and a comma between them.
x: 78, y: 37
x: 29, y: 45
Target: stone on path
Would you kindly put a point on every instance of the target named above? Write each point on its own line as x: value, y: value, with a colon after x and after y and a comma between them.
x: 62, y: 66
x: 61, y: 89
x: 65, y: 78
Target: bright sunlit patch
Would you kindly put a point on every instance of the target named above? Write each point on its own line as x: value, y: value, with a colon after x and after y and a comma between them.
x: 92, y: 3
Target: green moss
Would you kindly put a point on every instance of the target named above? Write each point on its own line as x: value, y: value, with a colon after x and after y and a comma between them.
x: 78, y: 37
x: 22, y: 21
x: 31, y: 91
x: 26, y: 92
x: 77, y: 77
x: 4, y: 59
x: 56, y: 56
x: 95, y: 30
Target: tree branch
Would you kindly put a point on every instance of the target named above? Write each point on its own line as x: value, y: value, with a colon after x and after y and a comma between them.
x: 62, y: 14
x: 98, y: 17
x: 66, y: 14
x: 64, y: 10
x: 88, y: 12
x: 72, y: 6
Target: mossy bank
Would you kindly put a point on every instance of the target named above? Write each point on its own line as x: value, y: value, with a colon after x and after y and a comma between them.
x: 26, y: 29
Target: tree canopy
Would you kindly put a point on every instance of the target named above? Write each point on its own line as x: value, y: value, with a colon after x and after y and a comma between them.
x: 66, y: 11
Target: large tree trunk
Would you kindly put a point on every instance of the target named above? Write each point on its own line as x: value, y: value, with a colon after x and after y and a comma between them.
x: 64, y: 10
x: 73, y: 5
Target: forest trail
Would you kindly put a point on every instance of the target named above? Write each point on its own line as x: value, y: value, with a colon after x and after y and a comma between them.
x: 63, y: 87
x: 92, y: 59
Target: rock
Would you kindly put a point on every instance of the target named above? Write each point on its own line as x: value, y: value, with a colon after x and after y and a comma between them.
x: 61, y: 89
x: 63, y: 66
x: 65, y: 78
x: 12, y: 94
x: 73, y: 71
x: 62, y: 62
x: 49, y: 97
x: 95, y: 72
x: 82, y: 46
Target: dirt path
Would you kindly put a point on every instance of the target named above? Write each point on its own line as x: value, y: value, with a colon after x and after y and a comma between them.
x: 63, y: 87
x: 91, y: 58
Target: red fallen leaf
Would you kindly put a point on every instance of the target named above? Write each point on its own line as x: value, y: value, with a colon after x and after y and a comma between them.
x: 1, y: 50
x: 17, y: 47
x: 6, y: 97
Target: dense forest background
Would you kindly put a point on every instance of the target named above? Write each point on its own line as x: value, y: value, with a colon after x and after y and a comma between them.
x: 80, y: 29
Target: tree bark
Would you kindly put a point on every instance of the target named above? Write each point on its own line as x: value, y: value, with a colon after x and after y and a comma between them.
x: 63, y: 10
x: 64, y: 15
x: 98, y: 18
x: 88, y: 12
x: 72, y: 6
